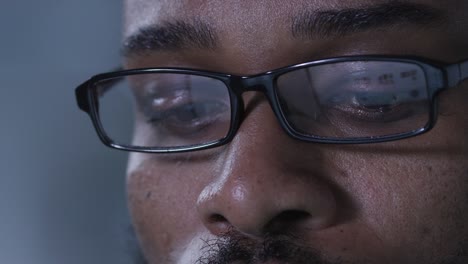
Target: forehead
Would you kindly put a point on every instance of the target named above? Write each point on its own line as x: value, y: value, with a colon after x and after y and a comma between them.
x: 244, y: 15
x: 259, y: 35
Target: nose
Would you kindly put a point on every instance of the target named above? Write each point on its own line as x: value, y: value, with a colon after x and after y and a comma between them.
x: 266, y: 182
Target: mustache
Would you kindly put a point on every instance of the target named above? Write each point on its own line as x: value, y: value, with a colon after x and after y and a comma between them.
x: 234, y: 247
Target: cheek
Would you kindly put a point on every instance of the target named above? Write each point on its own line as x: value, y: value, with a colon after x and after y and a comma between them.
x: 414, y: 202
x: 162, y: 198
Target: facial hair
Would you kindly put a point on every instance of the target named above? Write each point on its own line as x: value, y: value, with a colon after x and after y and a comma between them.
x: 236, y: 248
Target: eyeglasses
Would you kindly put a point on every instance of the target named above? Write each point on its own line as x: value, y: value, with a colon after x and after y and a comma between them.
x: 358, y: 99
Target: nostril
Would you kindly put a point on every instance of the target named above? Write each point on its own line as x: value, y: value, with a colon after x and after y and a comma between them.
x: 217, y: 218
x: 218, y: 225
x: 287, y: 220
x: 292, y: 216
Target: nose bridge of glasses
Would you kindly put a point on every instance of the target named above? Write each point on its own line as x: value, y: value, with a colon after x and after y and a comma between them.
x: 258, y: 83
x: 457, y: 73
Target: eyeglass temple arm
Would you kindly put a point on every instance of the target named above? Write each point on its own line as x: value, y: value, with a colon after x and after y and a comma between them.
x: 456, y: 73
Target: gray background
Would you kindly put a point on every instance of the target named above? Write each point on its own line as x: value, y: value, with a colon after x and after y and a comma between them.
x: 61, y: 192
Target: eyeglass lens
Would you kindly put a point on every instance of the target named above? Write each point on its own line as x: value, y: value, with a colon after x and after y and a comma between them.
x: 355, y: 99
x: 161, y: 110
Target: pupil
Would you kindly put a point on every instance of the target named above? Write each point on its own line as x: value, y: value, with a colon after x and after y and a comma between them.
x: 188, y: 113
x: 376, y: 101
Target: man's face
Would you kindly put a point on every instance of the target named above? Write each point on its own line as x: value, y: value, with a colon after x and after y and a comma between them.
x: 268, y: 198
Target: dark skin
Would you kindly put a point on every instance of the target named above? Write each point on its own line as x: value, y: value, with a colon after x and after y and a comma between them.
x: 395, y: 202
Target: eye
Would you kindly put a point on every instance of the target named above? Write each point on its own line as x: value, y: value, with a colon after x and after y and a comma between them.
x: 179, y: 106
x: 371, y: 101
x: 189, y: 118
x: 374, y: 106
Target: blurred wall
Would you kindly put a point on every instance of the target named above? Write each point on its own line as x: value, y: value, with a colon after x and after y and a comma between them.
x: 61, y: 192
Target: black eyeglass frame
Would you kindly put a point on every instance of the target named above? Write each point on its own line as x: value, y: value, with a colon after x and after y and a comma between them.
x: 439, y: 76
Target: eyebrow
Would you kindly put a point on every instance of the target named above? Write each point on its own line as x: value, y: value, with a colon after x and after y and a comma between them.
x: 335, y: 23
x: 178, y: 35
x: 171, y: 36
